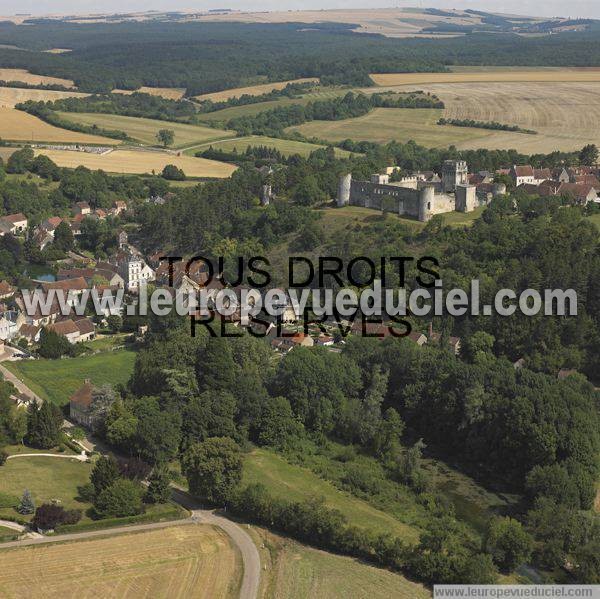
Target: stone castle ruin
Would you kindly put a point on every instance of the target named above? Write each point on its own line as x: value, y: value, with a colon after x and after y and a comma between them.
x: 414, y: 196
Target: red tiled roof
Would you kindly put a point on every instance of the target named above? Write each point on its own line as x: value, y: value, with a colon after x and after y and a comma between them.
x: 83, y: 396
x: 75, y: 284
x: 14, y: 218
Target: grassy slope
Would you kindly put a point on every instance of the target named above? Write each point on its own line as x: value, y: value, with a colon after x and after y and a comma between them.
x: 296, y: 571
x: 383, y: 125
x: 285, y: 146
x: 57, y: 380
x: 145, y: 130
x: 295, y: 483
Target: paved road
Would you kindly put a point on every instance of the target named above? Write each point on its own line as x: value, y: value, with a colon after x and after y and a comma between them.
x: 80, y: 457
x: 21, y: 387
x: 20, y: 528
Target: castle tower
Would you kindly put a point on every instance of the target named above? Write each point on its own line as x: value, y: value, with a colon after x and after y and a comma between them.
x: 466, y: 198
x: 266, y: 195
x: 454, y: 172
x: 426, y: 203
x: 345, y: 183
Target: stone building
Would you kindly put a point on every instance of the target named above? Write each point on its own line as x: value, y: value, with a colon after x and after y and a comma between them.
x: 415, y: 198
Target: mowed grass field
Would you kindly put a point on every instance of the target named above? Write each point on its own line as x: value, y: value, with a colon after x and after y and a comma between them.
x: 145, y: 130
x: 9, y: 96
x: 47, y: 479
x: 286, y: 146
x: 195, y: 561
x: 139, y: 161
x: 295, y: 571
x: 252, y: 90
x: 27, y: 77
x: 294, y: 483
x: 57, y: 380
x: 16, y: 125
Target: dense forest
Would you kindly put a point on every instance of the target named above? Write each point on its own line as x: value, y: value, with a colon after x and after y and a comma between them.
x: 202, y: 58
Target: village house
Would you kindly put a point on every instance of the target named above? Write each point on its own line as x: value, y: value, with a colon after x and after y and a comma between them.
x: 13, y: 223
x: 118, y: 207
x: 92, y: 276
x: 579, y: 193
x: 453, y: 342
x: 70, y: 287
x: 42, y: 238
x: 10, y: 323
x: 82, y: 208
x: 30, y: 332
x: 76, y: 330
x: 50, y: 224
x: 135, y: 273
x: 528, y: 174
x: 80, y: 406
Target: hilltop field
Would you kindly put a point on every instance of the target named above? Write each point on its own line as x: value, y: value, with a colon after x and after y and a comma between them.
x: 562, y: 105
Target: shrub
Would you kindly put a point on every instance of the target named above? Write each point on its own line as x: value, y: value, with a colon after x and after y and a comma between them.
x: 49, y: 515
x: 122, y: 498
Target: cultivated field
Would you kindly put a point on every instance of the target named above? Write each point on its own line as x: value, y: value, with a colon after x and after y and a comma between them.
x: 391, y: 22
x: 490, y: 75
x: 561, y: 104
x: 140, y: 161
x: 57, y: 380
x: 16, y: 125
x: 566, y: 116
x: 182, y: 561
x: 285, y: 146
x: 9, y: 96
x: 294, y: 483
x: 27, y: 77
x: 252, y: 90
x: 145, y: 130
x: 295, y: 571
x: 170, y: 93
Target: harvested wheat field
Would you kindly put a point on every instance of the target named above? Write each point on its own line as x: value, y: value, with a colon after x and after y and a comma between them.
x: 489, y: 75
x: 253, y: 90
x: 182, y: 561
x: 169, y: 93
x: 16, y: 125
x: 27, y: 77
x: 9, y: 96
x: 565, y: 115
x: 139, y: 161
